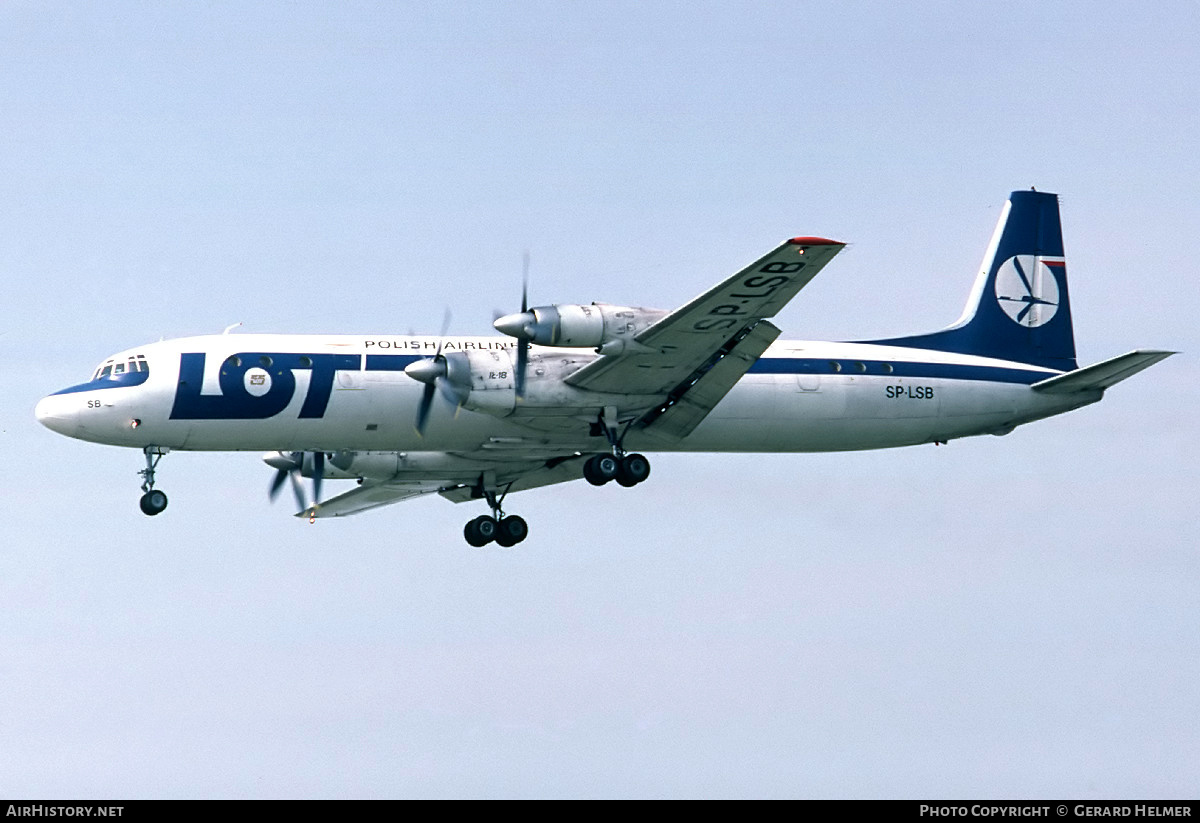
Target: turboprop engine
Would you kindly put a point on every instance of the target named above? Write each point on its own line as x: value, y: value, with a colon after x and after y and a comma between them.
x: 478, y: 380
x: 607, y: 329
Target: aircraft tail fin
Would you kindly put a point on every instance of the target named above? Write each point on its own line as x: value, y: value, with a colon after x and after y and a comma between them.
x: 1019, y: 308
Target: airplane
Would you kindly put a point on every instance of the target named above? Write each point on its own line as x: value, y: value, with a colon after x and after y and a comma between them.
x: 581, y: 391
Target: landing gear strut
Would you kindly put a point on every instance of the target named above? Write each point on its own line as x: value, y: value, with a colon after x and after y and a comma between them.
x: 626, y: 469
x: 506, y: 531
x: 153, y: 501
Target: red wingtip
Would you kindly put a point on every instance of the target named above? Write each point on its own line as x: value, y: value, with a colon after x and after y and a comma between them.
x: 814, y: 241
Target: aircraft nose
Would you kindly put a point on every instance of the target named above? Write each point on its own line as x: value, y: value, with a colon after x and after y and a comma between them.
x: 59, y: 414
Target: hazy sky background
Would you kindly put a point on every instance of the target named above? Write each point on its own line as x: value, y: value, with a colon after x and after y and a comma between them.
x: 1000, y: 617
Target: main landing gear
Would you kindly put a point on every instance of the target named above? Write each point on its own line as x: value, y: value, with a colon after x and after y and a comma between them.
x: 153, y: 501
x: 626, y: 469
x: 506, y: 531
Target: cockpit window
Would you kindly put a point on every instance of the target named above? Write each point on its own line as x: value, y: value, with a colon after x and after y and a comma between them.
x: 134, y: 364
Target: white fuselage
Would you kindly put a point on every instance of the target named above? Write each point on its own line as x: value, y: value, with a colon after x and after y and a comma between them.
x: 349, y: 392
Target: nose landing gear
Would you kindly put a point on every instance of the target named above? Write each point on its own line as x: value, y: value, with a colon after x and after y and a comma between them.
x: 153, y: 501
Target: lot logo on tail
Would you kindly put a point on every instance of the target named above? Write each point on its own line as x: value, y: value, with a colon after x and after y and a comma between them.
x: 1027, y: 289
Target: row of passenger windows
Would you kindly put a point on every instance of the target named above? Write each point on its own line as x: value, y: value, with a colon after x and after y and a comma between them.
x: 233, y: 361
x: 112, y: 369
x: 858, y: 366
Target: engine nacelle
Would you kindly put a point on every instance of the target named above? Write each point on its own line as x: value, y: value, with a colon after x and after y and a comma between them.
x: 372, y: 465
x: 610, y: 329
x: 402, y: 466
x: 493, y: 381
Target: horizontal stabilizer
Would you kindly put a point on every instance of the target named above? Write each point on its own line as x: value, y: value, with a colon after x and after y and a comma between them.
x: 1104, y: 374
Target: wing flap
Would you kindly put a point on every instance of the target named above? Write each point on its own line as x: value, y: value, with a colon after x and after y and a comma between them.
x: 1103, y: 374
x: 692, y: 400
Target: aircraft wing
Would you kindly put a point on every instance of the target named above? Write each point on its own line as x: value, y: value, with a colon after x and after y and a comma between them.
x: 558, y: 470
x: 508, y: 477
x: 370, y: 496
x: 673, y: 349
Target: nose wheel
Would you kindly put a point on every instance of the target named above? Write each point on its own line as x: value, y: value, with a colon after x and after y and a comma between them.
x: 153, y: 501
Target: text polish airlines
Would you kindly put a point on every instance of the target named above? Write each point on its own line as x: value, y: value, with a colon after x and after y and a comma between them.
x: 579, y: 391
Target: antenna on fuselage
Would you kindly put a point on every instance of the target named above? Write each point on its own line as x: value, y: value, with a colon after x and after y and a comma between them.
x: 228, y: 329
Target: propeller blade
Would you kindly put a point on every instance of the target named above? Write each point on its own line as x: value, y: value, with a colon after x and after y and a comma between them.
x: 318, y: 475
x: 298, y: 491
x: 522, y: 362
x: 522, y: 343
x: 449, y: 393
x: 525, y: 282
x: 281, y: 476
x: 423, y: 409
x: 442, y: 335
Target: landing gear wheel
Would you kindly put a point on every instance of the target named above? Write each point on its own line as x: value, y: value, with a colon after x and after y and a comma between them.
x: 481, y: 531
x: 634, y: 469
x: 601, y: 468
x: 153, y: 502
x: 512, y: 530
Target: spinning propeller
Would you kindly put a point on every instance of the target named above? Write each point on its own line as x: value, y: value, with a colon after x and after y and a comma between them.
x: 438, y: 373
x: 292, y: 466
x: 450, y: 373
x: 522, y: 326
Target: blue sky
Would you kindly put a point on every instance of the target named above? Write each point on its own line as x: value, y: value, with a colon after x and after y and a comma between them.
x: 1001, y: 617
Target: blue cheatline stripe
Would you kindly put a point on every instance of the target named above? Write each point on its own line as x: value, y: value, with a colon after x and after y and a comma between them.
x: 764, y: 365
x: 132, y: 378
x: 815, y: 365
x: 391, y: 362
x: 899, y: 368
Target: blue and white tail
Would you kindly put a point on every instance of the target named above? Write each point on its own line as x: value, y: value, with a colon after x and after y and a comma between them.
x: 1019, y: 308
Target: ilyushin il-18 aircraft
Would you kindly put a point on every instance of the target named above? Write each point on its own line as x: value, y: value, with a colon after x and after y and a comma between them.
x: 574, y: 391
